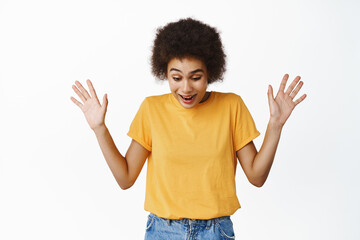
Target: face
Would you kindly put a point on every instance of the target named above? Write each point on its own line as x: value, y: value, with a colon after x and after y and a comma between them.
x: 187, y: 80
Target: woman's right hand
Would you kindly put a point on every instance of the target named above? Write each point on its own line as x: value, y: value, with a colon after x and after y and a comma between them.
x: 94, y: 112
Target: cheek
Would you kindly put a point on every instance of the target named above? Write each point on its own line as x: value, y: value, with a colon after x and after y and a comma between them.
x: 172, y: 86
x: 202, y: 86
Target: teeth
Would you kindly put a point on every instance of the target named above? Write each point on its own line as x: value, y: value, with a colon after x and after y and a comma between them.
x: 187, y: 98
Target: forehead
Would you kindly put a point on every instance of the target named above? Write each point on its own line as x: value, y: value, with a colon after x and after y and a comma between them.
x: 186, y: 64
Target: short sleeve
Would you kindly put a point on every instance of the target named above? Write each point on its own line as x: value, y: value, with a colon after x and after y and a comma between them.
x: 140, y: 129
x: 244, y: 130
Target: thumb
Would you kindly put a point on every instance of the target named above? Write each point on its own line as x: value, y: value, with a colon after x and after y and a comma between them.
x: 270, y: 95
x: 105, y: 102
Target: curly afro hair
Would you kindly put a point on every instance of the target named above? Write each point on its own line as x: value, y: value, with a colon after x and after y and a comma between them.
x: 188, y: 38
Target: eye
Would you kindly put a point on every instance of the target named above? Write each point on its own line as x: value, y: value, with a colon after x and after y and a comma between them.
x: 176, y: 78
x: 196, y: 78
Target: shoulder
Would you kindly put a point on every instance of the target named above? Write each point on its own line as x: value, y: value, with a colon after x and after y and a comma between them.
x: 228, y: 97
x: 156, y: 102
x: 157, y: 98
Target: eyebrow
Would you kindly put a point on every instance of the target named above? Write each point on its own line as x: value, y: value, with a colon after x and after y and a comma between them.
x: 192, y: 72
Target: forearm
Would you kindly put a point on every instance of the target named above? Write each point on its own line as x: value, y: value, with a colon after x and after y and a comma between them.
x: 264, y: 158
x: 116, y: 162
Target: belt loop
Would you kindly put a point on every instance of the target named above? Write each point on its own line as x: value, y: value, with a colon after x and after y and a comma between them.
x: 208, y: 224
x: 168, y: 221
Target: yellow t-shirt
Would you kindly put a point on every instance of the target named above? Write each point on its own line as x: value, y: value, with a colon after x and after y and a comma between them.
x: 192, y: 165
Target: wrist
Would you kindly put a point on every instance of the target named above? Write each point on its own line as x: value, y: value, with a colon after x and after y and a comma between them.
x: 99, y: 129
x: 274, y: 124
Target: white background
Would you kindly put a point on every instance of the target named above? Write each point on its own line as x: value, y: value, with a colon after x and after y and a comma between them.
x: 54, y: 182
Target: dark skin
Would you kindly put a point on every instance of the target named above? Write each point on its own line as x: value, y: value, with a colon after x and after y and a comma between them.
x: 256, y: 165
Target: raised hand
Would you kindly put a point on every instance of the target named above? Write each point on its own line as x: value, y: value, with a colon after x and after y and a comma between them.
x: 94, y: 112
x: 282, y: 106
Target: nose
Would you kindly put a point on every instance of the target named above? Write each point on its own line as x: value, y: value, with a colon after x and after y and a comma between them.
x: 186, y: 86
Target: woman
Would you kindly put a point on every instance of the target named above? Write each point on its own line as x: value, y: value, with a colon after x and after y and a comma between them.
x: 191, y: 137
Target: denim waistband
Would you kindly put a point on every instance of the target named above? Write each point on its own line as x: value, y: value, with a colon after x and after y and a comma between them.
x: 208, y: 222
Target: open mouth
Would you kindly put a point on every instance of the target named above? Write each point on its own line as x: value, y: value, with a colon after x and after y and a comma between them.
x: 187, y: 98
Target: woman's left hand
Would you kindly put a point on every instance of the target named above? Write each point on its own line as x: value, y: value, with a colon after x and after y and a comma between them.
x: 283, y: 104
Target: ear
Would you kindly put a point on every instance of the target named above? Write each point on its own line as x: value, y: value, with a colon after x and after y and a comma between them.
x: 166, y: 71
x: 208, y: 80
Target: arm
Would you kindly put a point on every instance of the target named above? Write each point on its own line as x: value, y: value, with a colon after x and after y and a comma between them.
x: 125, y: 169
x: 257, y: 165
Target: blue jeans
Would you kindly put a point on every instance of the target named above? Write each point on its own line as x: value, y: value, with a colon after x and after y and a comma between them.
x: 158, y: 228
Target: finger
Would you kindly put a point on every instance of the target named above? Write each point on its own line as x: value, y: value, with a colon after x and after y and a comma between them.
x: 76, y: 102
x: 81, y: 96
x: 296, y: 90
x: 283, y: 83
x: 300, y: 99
x: 91, y: 88
x: 82, y: 89
x: 292, y: 85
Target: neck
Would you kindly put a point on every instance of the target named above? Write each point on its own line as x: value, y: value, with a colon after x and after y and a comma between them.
x: 206, y: 96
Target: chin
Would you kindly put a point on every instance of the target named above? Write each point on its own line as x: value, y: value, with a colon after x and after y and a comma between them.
x: 188, y: 105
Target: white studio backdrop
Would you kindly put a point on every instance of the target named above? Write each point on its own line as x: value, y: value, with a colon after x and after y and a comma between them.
x: 54, y: 182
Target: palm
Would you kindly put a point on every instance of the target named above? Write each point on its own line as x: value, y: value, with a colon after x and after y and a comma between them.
x: 282, y: 106
x: 93, y: 111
